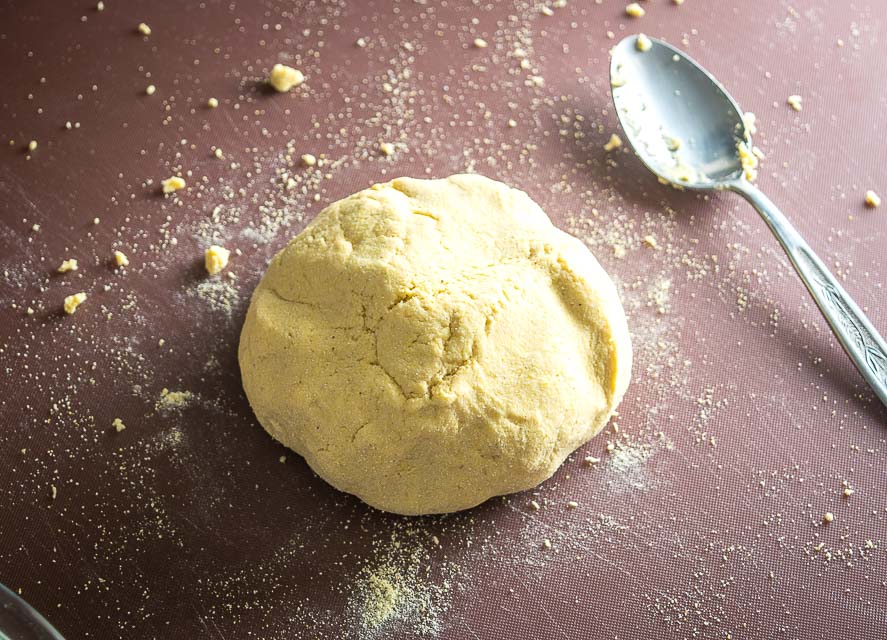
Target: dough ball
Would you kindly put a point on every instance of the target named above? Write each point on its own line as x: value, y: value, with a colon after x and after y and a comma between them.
x: 428, y: 344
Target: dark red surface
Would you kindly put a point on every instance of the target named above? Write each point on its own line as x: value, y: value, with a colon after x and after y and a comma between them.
x: 187, y: 525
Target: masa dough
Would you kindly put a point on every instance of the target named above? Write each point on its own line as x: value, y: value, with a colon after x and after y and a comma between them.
x: 428, y: 344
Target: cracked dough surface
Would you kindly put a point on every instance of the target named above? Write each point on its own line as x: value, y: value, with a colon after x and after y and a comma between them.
x: 429, y: 344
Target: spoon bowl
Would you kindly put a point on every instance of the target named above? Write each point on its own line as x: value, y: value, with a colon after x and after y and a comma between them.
x: 681, y: 122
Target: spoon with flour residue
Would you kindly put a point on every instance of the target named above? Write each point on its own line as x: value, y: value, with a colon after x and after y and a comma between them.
x: 689, y: 131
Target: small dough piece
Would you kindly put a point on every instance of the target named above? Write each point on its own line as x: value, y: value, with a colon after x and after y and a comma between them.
x: 215, y: 259
x: 284, y: 78
x: 120, y: 259
x: 68, y: 265
x: 613, y: 143
x: 634, y: 10
x: 118, y: 425
x: 172, y: 184
x: 428, y: 344
x: 643, y: 43
x: 872, y: 199
x: 144, y: 29
x: 74, y: 301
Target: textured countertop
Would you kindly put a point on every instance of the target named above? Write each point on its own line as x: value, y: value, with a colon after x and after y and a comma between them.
x: 745, y: 423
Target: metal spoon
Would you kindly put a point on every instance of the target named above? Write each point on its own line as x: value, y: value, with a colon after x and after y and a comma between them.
x: 686, y: 129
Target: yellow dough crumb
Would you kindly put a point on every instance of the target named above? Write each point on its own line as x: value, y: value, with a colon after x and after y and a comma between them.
x: 829, y: 516
x: 32, y: 145
x: 795, y: 102
x: 309, y: 160
x: 284, y: 78
x: 750, y: 120
x: 150, y: 90
x: 386, y: 148
x: 613, y: 143
x: 172, y: 184
x: 643, y: 43
x: 216, y: 259
x: 480, y: 43
x: 74, y: 301
x: 872, y: 199
x: 118, y: 425
x: 120, y: 259
x: 678, y: 2
x: 212, y: 103
x: 748, y: 159
x: 634, y: 10
x: 68, y: 265
x: 144, y: 29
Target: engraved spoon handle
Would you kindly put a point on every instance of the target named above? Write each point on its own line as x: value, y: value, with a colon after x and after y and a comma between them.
x: 850, y: 325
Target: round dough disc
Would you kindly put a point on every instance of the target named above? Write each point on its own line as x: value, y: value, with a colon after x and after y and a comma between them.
x: 428, y: 344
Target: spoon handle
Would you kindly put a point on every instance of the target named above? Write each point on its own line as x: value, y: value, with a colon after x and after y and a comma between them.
x: 853, y: 329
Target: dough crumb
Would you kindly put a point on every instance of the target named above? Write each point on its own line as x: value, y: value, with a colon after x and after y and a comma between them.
x: 534, y: 505
x: 572, y: 504
x: 68, y: 265
x: 309, y: 160
x: 174, y: 399
x: 750, y: 121
x: 613, y: 143
x: 828, y: 517
x: 55, y: 492
x: 212, y: 103
x: 872, y: 199
x: 590, y: 460
x: 634, y: 10
x: 150, y: 90
x: 678, y: 2
x: 74, y: 301
x: 120, y: 259
x: 218, y: 153
x: 650, y: 241
x: 172, y: 184
x: 795, y: 102
x: 480, y: 43
x: 215, y: 259
x: 386, y: 148
x: 100, y: 6
x: 144, y: 29
x: 643, y: 43
x: 284, y: 78
x: 118, y: 425
x: 281, y: 459
x: 546, y: 543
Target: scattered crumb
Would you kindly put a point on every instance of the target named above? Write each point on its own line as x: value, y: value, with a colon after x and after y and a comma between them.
x: 634, y: 10
x: 572, y: 504
x: 534, y: 505
x: 308, y: 160
x: 872, y: 199
x: 212, y: 103
x: 480, y: 43
x: 174, y: 399
x: 74, y: 301
x: 795, y: 102
x: 643, y: 43
x: 650, y: 241
x: 281, y: 459
x: 55, y: 492
x: 750, y: 121
x: 118, y: 425
x: 828, y: 517
x: 172, y: 184
x: 546, y: 543
x: 284, y: 78
x: 144, y: 29
x: 120, y: 259
x: 215, y: 259
x: 150, y: 90
x: 386, y: 148
x: 100, y: 6
x: 32, y: 145
x: 613, y: 143
x: 590, y: 460
x: 218, y: 153
x: 68, y: 265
